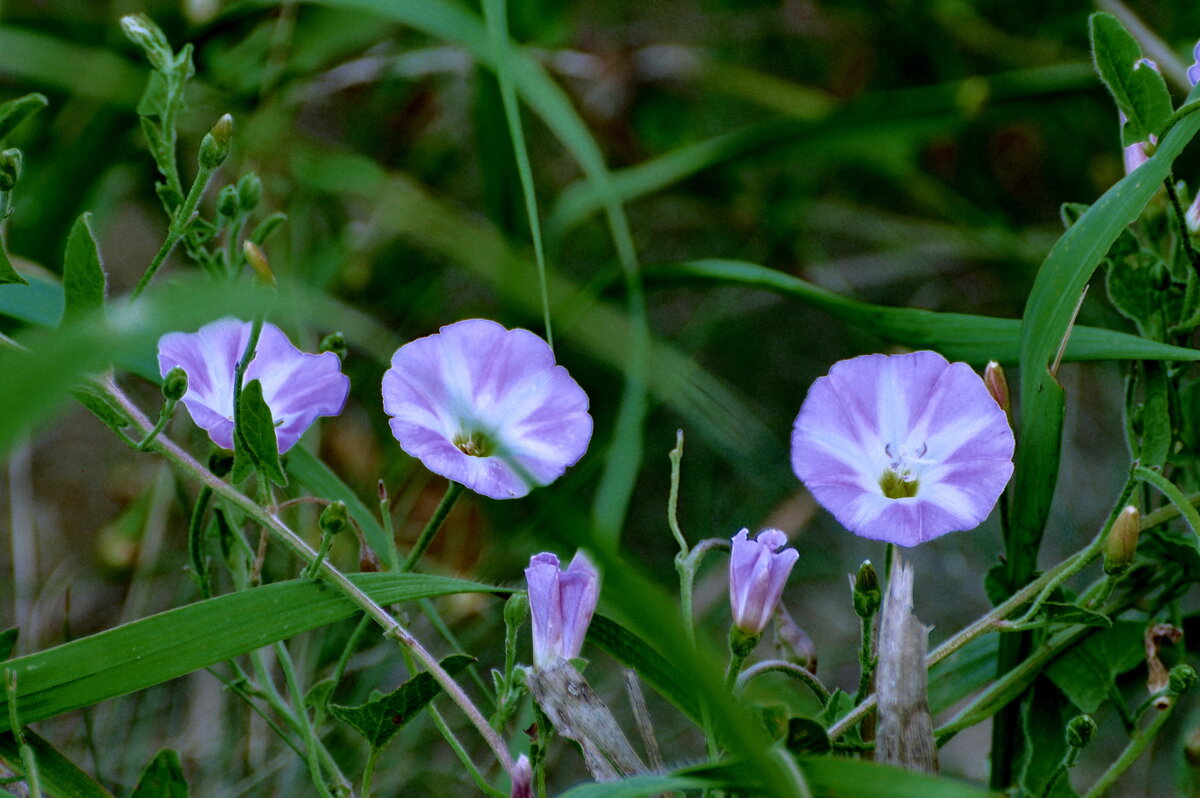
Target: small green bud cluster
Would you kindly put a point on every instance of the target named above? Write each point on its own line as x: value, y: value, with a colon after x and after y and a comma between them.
x: 334, y: 342
x: 1080, y: 731
x: 175, y: 384
x: 334, y: 518
x: 214, y: 147
x: 867, y: 593
x: 10, y: 169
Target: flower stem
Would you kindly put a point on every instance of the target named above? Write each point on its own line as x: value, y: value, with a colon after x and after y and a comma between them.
x: 1132, y: 751
x: 306, y: 729
x: 676, y: 455
x: 298, y: 547
x: 179, y: 225
x: 453, y: 491
x: 866, y: 662
x: 33, y: 778
x: 797, y: 672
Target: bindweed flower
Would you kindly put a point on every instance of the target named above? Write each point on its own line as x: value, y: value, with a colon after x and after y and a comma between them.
x: 758, y: 570
x: 487, y: 407
x: 1193, y: 72
x: 522, y: 778
x: 903, y: 448
x: 298, y: 387
x: 562, y: 603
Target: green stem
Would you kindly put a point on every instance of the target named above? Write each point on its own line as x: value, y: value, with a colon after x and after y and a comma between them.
x: 179, y: 225
x: 735, y: 667
x: 866, y: 662
x: 33, y: 779
x: 676, y: 455
x: 306, y: 729
x: 1132, y: 751
x: 453, y: 491
x: 351, y: 644
x: 797, y: 672
x: 164, y: 417
x: 1066, y: 764
x: 195, y: 540
x: 369, y: 771
x: 1181, y: 221
x: 336, y: 579
x: 1173, y: 494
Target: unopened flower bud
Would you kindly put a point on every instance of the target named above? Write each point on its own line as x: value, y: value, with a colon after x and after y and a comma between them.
x: 335, y: 342
x: 866, y: 591
x: 1121, y: 543
x: 516, y: 609
x: 140, y: 30
x: 1192, y: 217
x: 1080, y: 731
x: 333, y: 518
x: 258, y: 261
x: 758, y: 571
x: 249, y: 191
x: 522, y: 778
x: 1181, y: 679
x: 227, y: 202
x: 175, y: 384
x: 10, y: 169
x: 214, y: 147
x: 997, y: 385
x: 792, y: 643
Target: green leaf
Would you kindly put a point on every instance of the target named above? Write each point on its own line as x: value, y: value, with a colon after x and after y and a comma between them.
x: 8, y: 273
x: 83, y: 274
x: 806, y: 737
x: 60, y: 776
x: 835, y: 777
x: 958, y: 336
x: 14, y: 112
x: 114, y: 418
x: 1059, y: 612
x: 1085, y: 671
x: 652, y: 667
x: 162, y: 778
x: 1135, y: 287
x: 153, y: 650
x: 1177, y: 553
x: 1044, y: 720
x: 962, y: 673
x: 381, y: 717
x: 254, y: 438
x: 1138, y: 90
x: 638, y: 787
x: 1157, y: 434
x: 8, y: 642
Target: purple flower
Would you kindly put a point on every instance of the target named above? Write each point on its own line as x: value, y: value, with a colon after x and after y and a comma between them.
x: 903, y: 448
x: 562, y: 603
x: 487, y: 407
x: 758, y: 570
x: 522, y: 778
x: 298, y: 387
x: 1193, y: 72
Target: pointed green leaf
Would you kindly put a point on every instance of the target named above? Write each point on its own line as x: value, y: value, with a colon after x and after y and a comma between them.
x: 90, y: 398
x: 1044, y: 720
x: 8, y: 272
x: 1138, y: 89
x: 1059, y: 612
x: 8, y: 641
x: 60, y: 776
x: 13, y: 112
x: 162, y: 778
x: 1085, y: 671
x: 152, y: 650
x: 806, y: 737
x: 651, y: 666
x: 83, y: 274
x: 382, y: 716
x: 256, y: 433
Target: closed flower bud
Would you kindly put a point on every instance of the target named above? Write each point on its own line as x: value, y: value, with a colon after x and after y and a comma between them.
x: 1121, y: 543
x: 10, y: 169
x: 249, y: 191
x: 516, y: 609
x: 1080, y: 731
x: 997, y: 385
x: 140, y: 30
x: 214, y: 147
x: 562, y: 604
x: 867, y: 593
x: 175, y: 384
x: 333, y: 518
x: 1192, y: 217
x: 522, y: 778
x: 227, y: 202
x: 334, y: 342
x: 758, y: 570
x: 258, y: 262
x: 1181, y: 679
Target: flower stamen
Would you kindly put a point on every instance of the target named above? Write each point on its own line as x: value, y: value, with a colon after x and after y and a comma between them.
x: 474, y: 444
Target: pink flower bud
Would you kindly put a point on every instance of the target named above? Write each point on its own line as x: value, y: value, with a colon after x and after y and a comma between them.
x: 562, y: 603
x: 758, y: 570
x: 522, y: 778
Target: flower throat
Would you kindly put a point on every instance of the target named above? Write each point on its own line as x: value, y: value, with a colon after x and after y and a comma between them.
x: 898, y: 481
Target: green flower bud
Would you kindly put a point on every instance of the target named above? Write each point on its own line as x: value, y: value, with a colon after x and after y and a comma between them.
x: 997, y: 385
x: 220, y: 462
x: 142, y: 31
x: 258, y: 262
x: 516, y: 609
x: 175, y: 384
x: 333, y: 518
x: 214, y: 147
x: 867, y: 593
x: 249, y: 190
x: 1181, y: 680
x: 1080, y: 731
x: 334, y: 342
x: 10, y: 169
x: 1121, y: 543
x: 227, y: 202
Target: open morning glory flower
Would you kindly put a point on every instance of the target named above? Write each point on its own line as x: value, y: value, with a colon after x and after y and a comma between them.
x: 562, y: 604
x: 487, y: 407
x: 298, y: 387
x: 903, y: 448
x: 758, y: 570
